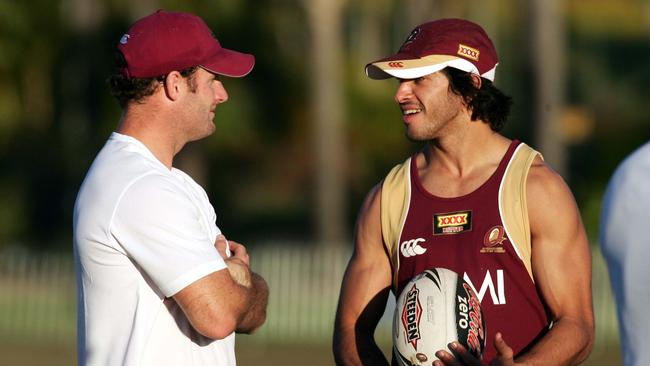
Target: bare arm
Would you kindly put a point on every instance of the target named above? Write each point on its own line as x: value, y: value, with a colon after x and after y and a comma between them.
x: 256, y: 314
x: 364, y: 292
x: 228, y: 300
x: 561, y: 264
x: 215, y: 304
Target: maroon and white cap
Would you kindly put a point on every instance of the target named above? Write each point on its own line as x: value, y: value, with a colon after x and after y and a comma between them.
x: 166, y: 41
x: 435, y: 45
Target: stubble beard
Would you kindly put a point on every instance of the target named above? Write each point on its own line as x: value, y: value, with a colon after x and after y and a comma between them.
x: 426, y: 131
x: 434, y: 127
x: 417, y: 136
x: 196, y: 131
x: 205, y: 132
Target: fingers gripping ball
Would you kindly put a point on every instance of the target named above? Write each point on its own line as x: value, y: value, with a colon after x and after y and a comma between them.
x: 435, y: 308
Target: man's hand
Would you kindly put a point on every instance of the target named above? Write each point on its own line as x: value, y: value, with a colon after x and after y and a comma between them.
x: 231, y: 249
x: 239, y: 271
x: 504, y: 355
x: 236, y: 258
x: 238, y: 250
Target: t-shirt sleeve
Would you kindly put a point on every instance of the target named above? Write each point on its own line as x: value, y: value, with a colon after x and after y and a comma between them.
x: 161, y: 229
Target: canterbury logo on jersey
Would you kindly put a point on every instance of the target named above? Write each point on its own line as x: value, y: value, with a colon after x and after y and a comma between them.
x: 452, y: 222
x: 411, y: 248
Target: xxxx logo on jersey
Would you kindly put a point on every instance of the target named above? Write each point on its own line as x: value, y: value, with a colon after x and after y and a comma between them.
x: 452, y: 223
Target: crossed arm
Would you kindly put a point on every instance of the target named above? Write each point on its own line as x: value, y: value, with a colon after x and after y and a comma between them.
x: 233, y: 299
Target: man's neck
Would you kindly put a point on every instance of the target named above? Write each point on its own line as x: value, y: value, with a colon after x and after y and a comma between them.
x: 456, y: 167
x: 461, y: 152
x: 152, y: 131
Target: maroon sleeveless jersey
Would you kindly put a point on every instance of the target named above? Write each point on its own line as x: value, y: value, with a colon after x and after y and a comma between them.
x: 466, y: 234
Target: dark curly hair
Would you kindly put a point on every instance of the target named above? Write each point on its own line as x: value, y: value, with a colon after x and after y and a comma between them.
x: 487, y: 103
x: 127, y: 90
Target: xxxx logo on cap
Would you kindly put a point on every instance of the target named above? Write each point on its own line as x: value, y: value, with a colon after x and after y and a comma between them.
x: 468, y: 52
x: 435, y: 45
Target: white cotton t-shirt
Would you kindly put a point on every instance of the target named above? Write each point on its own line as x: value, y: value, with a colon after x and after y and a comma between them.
x: 142, y: 233
x: 625, y: 242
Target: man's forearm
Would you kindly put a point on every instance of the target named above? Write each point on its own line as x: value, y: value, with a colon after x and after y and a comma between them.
x: 567, y: 343
x: 256, y: 314
x: 352, y: 350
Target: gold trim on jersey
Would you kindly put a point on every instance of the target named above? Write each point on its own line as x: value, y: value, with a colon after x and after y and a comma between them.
x: 395, y: 201
x: 513, y: 206
x: 396, y: 198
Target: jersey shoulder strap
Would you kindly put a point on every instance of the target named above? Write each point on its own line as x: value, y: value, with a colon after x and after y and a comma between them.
x: 395, y: 200
x: 513, y: 205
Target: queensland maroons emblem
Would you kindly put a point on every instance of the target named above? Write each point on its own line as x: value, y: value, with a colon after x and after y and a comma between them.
x: 493, y: 240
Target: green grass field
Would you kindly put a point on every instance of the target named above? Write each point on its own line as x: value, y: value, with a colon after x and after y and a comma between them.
x: 37, y: 315
x: 247, y: 354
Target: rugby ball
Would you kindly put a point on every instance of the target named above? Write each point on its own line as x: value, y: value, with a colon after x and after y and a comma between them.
x: 435, y: 308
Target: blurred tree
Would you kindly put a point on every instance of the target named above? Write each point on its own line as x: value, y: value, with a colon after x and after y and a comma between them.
x: 262, y: 167
x: 547, y: 52
x: 328, y: 113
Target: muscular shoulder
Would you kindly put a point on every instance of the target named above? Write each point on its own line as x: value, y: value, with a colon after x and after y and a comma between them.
x: 544, y: 182
x: 550, y: 202
x: 369, y: 215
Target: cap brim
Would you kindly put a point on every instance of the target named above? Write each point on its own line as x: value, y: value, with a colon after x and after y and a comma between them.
x: 406, y: 67
x: 230, y: 63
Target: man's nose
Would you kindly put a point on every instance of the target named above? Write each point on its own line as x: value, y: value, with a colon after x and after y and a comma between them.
x: 404, y: 91
x: 220, y: 93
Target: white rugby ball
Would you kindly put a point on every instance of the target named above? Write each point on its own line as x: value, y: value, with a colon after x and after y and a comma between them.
x: 435, y: 308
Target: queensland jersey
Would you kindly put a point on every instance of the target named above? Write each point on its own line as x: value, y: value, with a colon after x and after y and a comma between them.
x: 483, y: 236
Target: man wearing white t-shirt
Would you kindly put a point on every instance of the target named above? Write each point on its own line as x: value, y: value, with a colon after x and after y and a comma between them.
x: 158, y: 284
x: 624, y: 241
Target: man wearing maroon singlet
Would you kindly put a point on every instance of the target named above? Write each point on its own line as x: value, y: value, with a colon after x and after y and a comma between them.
x: 472, y: 201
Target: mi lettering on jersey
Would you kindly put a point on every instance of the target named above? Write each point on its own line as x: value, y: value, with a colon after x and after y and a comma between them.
x: 481, y: 236
x: 496, y: 290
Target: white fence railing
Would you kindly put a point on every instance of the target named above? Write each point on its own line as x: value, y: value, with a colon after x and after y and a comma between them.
x: 37, y: 296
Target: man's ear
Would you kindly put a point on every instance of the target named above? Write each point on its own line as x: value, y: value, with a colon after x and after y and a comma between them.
x: 476, y: 80
x: 173, y: 85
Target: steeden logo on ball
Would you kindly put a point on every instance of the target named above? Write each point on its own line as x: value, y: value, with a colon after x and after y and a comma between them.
x: 411, y: 316
x: 434, y: 308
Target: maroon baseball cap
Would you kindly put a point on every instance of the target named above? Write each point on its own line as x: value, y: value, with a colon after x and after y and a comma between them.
x: 166, y: 41
x: 435, y: 45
